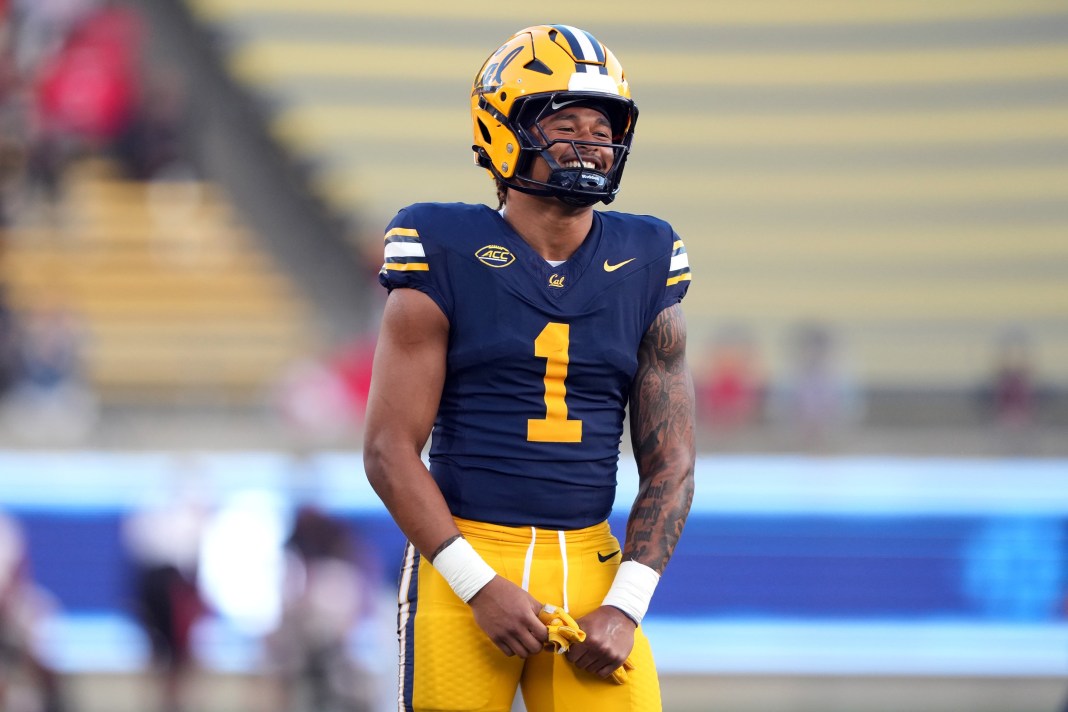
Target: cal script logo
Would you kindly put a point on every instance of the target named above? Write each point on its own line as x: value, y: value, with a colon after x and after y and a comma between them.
x: 491, y: 78
x: 556, y: 280
x: 495, y: 256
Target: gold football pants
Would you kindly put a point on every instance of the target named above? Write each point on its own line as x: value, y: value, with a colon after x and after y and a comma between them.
x: 448, y: 663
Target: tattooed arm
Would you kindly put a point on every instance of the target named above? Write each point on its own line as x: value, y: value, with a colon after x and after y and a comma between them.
x: 661, y: 431
x: 661, y: 426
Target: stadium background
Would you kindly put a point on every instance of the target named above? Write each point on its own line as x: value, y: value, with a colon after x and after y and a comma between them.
x: 193, y: 196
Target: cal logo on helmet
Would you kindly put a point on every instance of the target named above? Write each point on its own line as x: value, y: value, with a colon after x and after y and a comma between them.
x: 495, y: 256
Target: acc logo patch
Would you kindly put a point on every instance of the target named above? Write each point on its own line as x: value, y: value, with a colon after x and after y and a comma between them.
x: 495, y: 256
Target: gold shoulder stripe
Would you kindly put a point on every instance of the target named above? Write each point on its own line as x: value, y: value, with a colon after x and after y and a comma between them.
x: 402, y: 232
x: 681, y: 278
x: 407, y: 266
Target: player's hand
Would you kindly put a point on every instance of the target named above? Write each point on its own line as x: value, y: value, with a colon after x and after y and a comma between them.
x: 609, y: 640
x: 509, y: 616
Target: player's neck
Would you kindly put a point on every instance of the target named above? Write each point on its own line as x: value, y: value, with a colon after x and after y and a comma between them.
x: 553, y: 229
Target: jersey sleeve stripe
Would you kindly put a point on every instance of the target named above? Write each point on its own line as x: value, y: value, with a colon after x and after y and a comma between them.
x: 679, y: 278
x: 401, y: 232
x: 679, y: 268
x: 403, y: 249
x: 679, y: 259
x: 406, y: 267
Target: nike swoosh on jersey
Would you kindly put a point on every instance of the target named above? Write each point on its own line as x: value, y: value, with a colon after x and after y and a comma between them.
x: 605, y: 557
x: 613, y: 268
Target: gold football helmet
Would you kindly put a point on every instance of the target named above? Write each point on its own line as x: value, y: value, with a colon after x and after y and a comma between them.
x: 534, y: 74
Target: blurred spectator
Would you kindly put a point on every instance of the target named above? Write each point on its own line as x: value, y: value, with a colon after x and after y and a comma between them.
x: 322, y: 399
x: 1011, y: 398
x: 11, y: 164
x: 50, y: 401
x: 353, y: 364
x: 70, y: 84
x: 40, y: 27
x: 151, y: 145
x: 313, y: 403
x: 326, y: 594
x: 65, y: 81
x: 729, y: 382
x: 10, y: 339
x: 27, y: 683
x: 89, y: 88
x: 816, y: 399
x: 12, y: 118
x: 164, y: 544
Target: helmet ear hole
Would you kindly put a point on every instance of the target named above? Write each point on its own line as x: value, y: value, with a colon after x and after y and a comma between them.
x: 485, y: 132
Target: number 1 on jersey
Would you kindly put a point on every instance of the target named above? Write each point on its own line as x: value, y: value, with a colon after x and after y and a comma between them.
x: 552, y: 345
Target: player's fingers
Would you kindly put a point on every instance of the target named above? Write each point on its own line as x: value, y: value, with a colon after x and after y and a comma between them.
x: 598, y: 664
x: 584, y: 659
x: 541, y: 632
x: 619, y: 675
x: 605, y: 671
x: 575, y: 654
x: 525, y: 643
x: 522, y: 643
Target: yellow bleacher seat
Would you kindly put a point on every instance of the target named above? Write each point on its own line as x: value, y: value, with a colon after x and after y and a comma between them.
x: 893, y: 168
x: 171, y: 312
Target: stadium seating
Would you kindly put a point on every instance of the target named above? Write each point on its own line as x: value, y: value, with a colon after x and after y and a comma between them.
x: 178, y: 303
x: 896, y: 170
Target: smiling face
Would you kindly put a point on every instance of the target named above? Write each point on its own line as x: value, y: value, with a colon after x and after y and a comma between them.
x: 578, y: 137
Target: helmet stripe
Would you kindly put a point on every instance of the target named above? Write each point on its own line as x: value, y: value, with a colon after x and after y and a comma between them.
x: 584, y: 45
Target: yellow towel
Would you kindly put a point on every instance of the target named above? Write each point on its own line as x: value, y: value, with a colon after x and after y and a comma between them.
x: 563, y: 631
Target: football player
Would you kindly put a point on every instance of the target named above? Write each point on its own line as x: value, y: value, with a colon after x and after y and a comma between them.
x: 518, y: 337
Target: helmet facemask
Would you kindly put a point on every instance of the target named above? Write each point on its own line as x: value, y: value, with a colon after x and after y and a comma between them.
x: 578, y: 186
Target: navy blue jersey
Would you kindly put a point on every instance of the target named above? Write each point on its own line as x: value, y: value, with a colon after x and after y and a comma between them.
x: 540, y: 358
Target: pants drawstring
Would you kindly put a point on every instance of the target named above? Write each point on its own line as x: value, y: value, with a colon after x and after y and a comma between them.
x: 529, y: 559
x: 563, y: 560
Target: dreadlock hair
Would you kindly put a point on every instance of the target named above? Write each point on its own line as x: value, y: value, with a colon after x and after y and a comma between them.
x: 502, y: 192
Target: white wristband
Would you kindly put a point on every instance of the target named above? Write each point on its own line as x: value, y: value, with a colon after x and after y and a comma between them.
x: 463, y: 568
x: 632, y: 589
